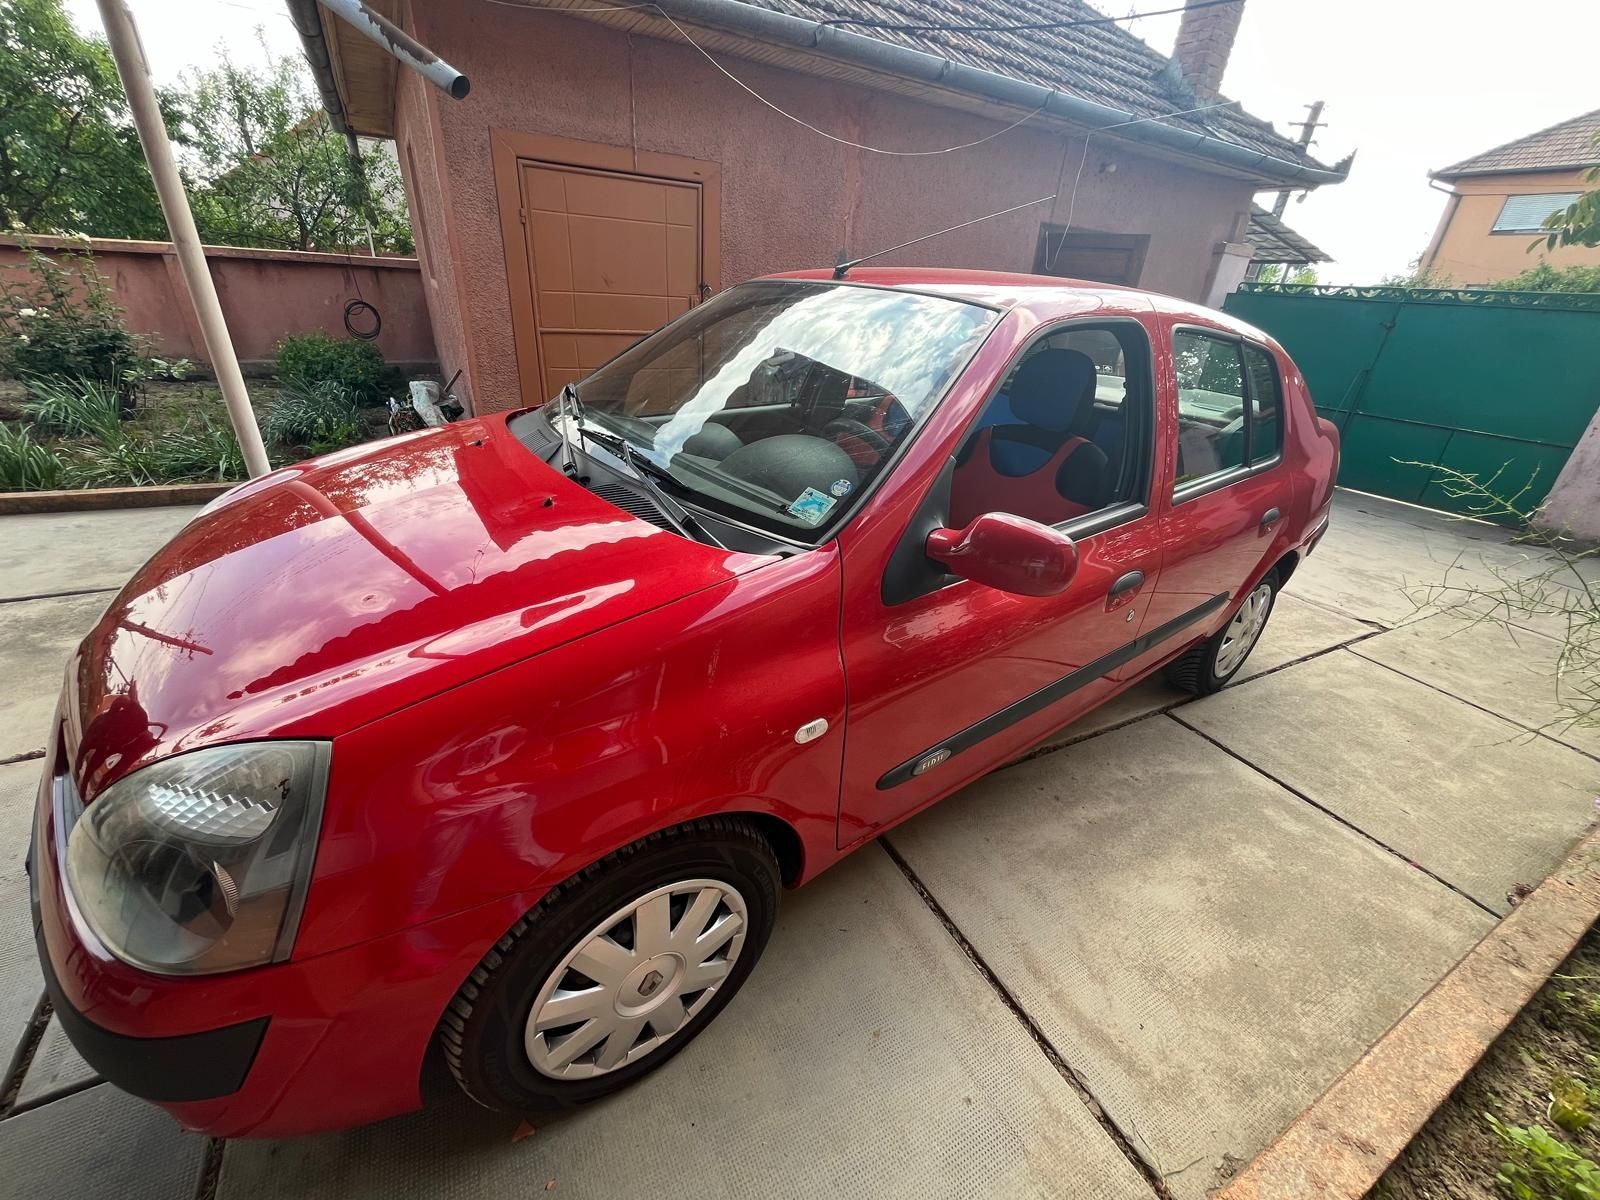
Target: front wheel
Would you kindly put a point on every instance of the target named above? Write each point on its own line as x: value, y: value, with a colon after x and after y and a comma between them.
x: 1209, y: 666
x: 616, y: 970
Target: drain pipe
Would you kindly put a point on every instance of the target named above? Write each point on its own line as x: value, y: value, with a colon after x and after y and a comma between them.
x: 135, y: 72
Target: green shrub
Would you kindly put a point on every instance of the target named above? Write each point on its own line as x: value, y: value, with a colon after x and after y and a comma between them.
x: 198, y: 453
x: 357, y: 366
x: 61, y: 320
x: 25, y: 465
x: 74, y: 408
x: 321, y: 416
x: 1540, y: 1166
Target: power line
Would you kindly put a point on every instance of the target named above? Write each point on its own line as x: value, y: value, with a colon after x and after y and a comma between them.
x: 782, y: 112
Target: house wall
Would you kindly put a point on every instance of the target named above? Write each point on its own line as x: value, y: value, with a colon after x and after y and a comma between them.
x: 790, y: 198
x: 1464, y: 249
x: 265, y: 295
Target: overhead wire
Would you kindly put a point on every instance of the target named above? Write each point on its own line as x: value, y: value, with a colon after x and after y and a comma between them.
x: 844, y: 141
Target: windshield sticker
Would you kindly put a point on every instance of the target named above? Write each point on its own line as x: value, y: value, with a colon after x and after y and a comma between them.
x: 811, y: 506
x: 840, y: 487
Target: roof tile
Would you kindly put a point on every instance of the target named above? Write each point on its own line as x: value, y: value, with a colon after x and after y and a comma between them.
x: 1568, y: 144
x: 1102, y: 63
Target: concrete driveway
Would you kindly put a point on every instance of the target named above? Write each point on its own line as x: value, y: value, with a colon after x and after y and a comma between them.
x: 1116, y: 969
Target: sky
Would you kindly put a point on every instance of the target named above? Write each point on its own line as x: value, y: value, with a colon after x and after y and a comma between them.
x: 1411, y: 85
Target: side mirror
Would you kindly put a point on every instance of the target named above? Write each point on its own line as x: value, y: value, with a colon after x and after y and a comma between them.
x: 1008, y: 553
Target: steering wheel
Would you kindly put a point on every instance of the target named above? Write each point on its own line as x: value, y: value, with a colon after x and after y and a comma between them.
x: 869, y: 446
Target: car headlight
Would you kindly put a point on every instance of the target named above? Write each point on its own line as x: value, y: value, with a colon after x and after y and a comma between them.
x: 200, y: 863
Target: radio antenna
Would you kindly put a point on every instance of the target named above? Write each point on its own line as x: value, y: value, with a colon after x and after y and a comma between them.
x: 844, y: 265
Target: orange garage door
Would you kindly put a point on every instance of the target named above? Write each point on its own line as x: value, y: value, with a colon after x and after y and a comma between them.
x: 611, y: 256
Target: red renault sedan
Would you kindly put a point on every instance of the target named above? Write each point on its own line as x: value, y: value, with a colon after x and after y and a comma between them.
x: 504, y: 738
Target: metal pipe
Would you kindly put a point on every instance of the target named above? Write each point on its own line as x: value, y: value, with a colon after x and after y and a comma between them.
x: 377, y: 28
x: 135, y: 72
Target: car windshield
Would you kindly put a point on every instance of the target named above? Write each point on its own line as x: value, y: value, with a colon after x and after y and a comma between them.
x: 776, y: 402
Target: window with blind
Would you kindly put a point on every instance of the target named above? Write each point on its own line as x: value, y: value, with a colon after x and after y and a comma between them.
x: 1526, y: 214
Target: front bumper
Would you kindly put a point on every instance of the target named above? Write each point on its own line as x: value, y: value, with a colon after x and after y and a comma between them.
x: 187, y: 1067
x: 304, y: 1046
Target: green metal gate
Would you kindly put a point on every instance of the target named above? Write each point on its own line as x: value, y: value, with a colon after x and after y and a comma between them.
x: 1482, y: 382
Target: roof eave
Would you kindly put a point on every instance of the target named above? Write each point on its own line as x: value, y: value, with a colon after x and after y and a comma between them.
x: 1451, y: 174
x: 831, y: 41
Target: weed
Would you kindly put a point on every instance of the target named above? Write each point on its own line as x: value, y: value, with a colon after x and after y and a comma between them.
x: 74, y: 407
x: 1540, y: 1166
x: 320, y: 415
x: 25, y: 465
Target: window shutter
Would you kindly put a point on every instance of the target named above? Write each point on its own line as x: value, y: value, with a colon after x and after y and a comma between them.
x: 1526, y: 214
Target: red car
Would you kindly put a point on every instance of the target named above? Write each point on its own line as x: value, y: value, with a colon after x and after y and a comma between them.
x: 503, y: 738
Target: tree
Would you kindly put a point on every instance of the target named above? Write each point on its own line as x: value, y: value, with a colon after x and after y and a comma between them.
x: 1280, y: 273
x: 271, y: 171
x: 1579, y: 223
x: 70, y: 160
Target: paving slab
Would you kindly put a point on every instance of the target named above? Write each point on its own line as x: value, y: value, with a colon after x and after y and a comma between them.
x: 20, y: 981
x: 1376, y: 551
x: 40, y: 636
x: 101, y: 1144
x: 866, y: 1056
x: 56, y: 1068
x: 1298, y: 629
x: 1466, y: 794
x: 46, y: 553
x: 1508, y: 670
x: 1207, y: 950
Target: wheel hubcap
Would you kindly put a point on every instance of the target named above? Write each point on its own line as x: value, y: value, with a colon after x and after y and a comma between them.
x: 1243, y: 631
x: 636, y: 979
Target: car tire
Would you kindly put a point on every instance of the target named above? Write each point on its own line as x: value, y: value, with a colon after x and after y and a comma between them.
x: 1208, y: 667
x: 719, y: 871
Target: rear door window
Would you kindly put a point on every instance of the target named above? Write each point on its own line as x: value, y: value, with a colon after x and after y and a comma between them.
x: 1211, y: 406
x: 1266, y: 404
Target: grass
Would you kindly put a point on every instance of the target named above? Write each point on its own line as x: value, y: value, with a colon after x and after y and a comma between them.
x: 1525, y: 1125
x: 63, y: 433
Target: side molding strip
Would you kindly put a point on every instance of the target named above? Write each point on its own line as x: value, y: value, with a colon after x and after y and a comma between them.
x: 1034, y: 702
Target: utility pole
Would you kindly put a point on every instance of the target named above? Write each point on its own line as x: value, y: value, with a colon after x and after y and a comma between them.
x: 1307, y: 127
x: 135, y: 72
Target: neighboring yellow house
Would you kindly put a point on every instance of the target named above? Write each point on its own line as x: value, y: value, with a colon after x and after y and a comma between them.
x: 1501, y: 198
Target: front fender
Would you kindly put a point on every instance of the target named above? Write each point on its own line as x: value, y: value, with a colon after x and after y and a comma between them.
x: 517, y: 780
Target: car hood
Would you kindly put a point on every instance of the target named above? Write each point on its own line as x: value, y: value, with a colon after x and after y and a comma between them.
x: 331, y: 593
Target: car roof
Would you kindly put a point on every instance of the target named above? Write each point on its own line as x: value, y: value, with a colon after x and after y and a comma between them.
x: 1044, y: 296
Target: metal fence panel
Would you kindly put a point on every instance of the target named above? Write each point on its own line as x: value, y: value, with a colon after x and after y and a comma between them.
x: 1494, y: 384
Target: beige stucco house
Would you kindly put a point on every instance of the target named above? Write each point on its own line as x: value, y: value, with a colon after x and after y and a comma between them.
x: 1499, y: 200
x: 612, y: 165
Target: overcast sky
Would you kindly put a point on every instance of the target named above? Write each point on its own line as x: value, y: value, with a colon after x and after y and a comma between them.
x: 1411, y: 84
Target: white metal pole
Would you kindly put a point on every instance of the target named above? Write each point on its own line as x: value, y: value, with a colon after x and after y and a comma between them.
x: 135, y: 72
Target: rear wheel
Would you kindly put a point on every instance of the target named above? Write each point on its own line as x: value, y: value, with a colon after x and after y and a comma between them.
x: 1208, y: 667
x: 616, y: 970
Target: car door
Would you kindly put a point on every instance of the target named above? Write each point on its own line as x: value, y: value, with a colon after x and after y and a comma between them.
x: 947, y: 678
x: 1229, y: 494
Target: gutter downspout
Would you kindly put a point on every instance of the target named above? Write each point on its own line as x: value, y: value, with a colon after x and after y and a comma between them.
x: 307, y: 23
x: 798, y: 32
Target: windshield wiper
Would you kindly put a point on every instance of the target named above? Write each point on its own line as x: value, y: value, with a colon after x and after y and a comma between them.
x: 568, y: 400
x: 646, y: 471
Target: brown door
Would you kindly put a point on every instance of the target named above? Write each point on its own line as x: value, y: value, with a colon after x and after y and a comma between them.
x: 611, y: 256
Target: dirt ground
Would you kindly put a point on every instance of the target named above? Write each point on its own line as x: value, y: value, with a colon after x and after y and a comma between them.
x: 1553, y: 1047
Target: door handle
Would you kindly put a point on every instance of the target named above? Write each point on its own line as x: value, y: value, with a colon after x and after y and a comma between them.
x: 1126, y: 583
x: 1269, y: 517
